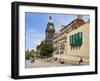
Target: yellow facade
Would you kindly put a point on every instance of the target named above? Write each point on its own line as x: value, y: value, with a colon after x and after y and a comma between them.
x: 75, y: 54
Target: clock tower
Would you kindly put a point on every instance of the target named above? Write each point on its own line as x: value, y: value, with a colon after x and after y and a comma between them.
x: 49, y: 32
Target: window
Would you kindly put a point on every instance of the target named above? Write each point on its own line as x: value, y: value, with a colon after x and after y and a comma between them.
x: 76, y: 39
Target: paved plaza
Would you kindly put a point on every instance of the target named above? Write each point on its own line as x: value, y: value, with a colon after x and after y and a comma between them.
x: 43, y: 63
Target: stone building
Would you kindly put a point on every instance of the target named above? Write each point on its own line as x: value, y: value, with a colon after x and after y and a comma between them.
x: 77, y: 46
x: 49, y: 32
x: 72, y: 42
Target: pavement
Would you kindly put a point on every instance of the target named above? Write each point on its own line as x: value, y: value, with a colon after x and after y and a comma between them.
x: 43, y: 63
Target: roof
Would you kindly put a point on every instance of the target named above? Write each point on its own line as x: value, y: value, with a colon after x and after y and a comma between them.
x: 75, y: 23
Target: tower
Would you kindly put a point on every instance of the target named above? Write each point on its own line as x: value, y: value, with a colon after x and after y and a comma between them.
x: 49, y: 32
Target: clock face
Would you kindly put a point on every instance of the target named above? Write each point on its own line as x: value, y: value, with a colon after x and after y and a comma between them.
x: 50, y: 27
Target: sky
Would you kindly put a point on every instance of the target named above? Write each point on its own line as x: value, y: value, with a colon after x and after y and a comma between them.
x: 36, y: 23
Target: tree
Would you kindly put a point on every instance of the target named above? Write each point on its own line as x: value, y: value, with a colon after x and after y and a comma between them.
x: 28, y: 54
x: 46, y: 50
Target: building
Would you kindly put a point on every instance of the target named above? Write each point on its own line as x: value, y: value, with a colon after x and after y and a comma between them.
x: 49, y: 32
x: 72, y: 42
x: 77, y: 46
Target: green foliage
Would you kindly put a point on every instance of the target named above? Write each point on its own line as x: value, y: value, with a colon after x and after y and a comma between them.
x: 46, y: 50
x: 28, y: 54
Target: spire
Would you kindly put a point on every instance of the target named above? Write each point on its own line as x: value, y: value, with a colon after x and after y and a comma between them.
x: 50, y: 17
x: 50, y: 20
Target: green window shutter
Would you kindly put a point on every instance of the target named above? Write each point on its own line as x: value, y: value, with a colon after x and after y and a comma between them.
x: 70, y: 40
x: 81, y: 35
x: 75, y: 39
x: 80, y: 38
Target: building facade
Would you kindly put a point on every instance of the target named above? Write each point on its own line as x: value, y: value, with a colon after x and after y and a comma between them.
x: 72, y: 42
x: 77, y: 46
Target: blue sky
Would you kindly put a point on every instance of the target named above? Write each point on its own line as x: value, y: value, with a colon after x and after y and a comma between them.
x: 35, y: 25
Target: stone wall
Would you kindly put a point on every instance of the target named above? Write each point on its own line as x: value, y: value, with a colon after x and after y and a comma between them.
x: 76, y: 53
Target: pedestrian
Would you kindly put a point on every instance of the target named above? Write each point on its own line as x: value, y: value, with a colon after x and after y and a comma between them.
x: 80, y: 61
